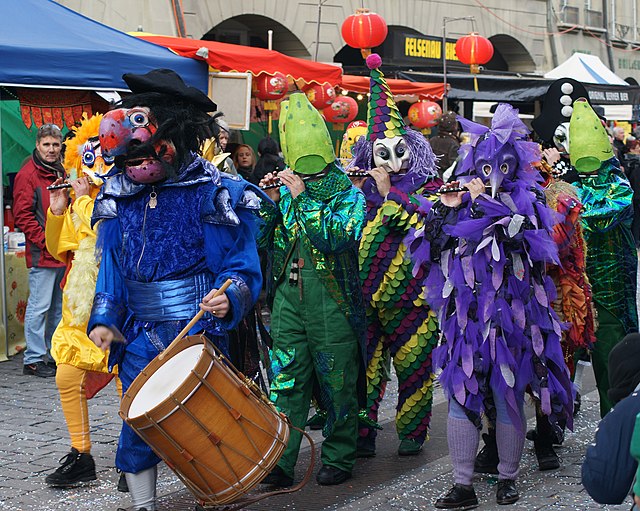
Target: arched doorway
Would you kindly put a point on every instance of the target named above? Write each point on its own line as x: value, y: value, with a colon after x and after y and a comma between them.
x: 252, y: 30
x: 510, y: 55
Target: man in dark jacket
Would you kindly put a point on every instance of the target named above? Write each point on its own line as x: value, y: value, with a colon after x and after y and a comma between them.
x: 608, y: 468
x: 30, y: 205
x: 447, y: 142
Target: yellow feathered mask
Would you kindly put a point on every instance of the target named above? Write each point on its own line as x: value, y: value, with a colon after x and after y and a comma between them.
x: 83, y: 156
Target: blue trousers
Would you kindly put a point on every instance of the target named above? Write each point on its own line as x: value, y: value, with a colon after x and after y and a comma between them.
x: 44, y: 311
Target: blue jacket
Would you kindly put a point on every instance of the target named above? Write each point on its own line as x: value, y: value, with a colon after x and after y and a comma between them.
x: 608, y: 468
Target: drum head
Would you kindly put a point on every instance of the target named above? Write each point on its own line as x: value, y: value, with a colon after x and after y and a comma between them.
x: 165, y: 380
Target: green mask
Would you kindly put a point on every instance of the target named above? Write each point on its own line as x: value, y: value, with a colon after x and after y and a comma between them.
x: 304, y: 137
x: 589, y: 143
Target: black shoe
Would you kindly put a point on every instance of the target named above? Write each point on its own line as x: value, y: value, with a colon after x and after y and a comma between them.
x: 328, y: 476
x: 547, y: 457
x: 39, y: 369
x: 76, y: 468
x: 277, y: 477
x: 577, y: 403
x: 317, y: 422
x: 52, y: 364
x: 507, y: 493
x: 460, y: 496
x: 409, y: 447
x: 122, y: 483
x: 532, y: 435
x: 366, y: 447
x: 487, y: 459
x: 123, y: 509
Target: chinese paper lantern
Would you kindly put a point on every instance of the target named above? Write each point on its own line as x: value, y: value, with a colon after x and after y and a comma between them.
x: 320, y: 95
x: 474, y: 50
x: 364, y: 30
x: 270, y: 87
x: 342, y: 111
x: 425, y: 114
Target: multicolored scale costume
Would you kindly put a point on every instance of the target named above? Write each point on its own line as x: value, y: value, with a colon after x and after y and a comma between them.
x: 485, y: 261
x: 612, y: 261
x: 399, y: 322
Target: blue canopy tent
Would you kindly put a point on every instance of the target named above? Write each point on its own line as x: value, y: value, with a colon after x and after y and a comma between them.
x: 44, y: 45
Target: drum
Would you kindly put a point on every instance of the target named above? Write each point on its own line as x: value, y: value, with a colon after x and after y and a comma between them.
x: 214, y: 428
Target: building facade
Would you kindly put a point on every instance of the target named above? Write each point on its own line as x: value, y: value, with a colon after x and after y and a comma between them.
x: 529, y: 36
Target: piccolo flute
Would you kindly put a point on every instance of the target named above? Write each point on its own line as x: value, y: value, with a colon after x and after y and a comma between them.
x: 358, y: 173
x: 277, y: 183
x: 460, y: 189
x: 60, y: 186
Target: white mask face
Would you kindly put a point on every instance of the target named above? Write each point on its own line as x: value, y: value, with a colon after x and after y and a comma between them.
x: 391, y: 154
x: 561, y: 138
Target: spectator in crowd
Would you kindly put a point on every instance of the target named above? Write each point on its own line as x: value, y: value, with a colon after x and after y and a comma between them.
x: 632, y: 170
x: 269, y: 159
x: 30, y: 205
x: 608, y: 467
x: 619, y: 146
x: 446, y: 143
x: 244, y: 160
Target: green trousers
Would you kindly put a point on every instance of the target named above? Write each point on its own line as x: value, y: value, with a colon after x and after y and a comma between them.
x: 312, y: 339
x: 610, y: 332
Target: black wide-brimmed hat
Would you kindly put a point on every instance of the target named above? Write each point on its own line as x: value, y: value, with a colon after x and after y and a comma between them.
x: 166, y: 81
x: 558, y: 106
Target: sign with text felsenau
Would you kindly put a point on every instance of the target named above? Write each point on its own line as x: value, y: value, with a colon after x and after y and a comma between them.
x: 422, y: 50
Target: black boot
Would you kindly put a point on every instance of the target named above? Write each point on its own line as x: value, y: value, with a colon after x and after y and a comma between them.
x: 460, y: 497
x: 546, y: 454
x: 122, y: 483
x: 507, y: 492
x: 543, y: 442
x: 487, y: 459
x: 277, y: 477
x: 76, y: 468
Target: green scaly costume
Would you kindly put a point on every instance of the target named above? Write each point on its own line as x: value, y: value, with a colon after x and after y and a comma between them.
x: 317, y: 320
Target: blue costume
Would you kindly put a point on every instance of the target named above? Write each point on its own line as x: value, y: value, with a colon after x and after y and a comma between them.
x: 159, y: 262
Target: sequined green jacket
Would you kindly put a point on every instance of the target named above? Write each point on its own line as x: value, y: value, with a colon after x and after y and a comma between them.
x: 611, y: 253
x: 330, y: 230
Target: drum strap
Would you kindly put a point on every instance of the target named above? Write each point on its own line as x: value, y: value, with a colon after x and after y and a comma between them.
x: 168, y: 300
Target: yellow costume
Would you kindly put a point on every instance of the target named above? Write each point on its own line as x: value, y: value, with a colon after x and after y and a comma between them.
x: 82, y: 366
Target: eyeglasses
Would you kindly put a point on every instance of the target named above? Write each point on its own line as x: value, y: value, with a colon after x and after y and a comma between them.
x: 50, y: 126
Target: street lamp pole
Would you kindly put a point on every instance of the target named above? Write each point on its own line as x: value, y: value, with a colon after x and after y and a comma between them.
x: 320, y: 4
x: 446, y: 20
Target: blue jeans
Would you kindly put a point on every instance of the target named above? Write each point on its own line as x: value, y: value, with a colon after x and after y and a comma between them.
x: 44, y: 311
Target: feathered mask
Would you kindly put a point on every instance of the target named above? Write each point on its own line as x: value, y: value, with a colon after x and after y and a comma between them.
x: 83, y: 155
x: 499, y: 155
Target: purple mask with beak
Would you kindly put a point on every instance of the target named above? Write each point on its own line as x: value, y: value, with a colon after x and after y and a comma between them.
x: 495, y: 162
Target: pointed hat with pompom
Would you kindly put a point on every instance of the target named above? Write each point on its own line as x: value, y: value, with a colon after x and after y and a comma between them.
x: 383, y: 117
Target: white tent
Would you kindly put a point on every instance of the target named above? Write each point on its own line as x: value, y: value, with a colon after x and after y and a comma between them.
x: 586, y: 69
x: 589, y: 69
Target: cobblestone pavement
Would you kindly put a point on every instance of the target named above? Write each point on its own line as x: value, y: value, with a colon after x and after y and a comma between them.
x: 34, y: 438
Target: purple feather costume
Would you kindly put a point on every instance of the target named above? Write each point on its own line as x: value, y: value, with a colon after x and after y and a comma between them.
x: 485, y: 275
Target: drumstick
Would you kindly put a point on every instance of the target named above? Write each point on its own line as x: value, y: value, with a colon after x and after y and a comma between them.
x: 194, y: 320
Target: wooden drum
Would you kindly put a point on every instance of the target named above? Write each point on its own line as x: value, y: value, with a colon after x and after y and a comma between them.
x: 214, y: 428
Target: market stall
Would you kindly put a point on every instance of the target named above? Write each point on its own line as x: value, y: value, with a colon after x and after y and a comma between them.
x: 64, y: 57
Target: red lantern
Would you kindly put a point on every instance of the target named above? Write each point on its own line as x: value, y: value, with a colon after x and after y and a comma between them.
x: 425, y: 114
x: 342, y: 111
x: 320, y: 95
x: 474, y: 50
x: 270, y: 87
x: 364, y: 30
